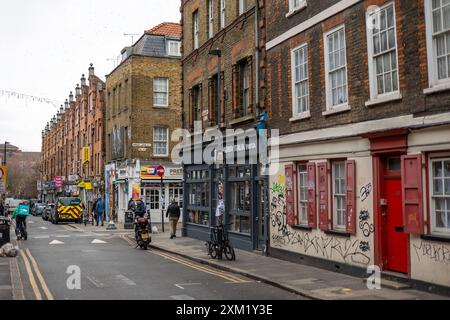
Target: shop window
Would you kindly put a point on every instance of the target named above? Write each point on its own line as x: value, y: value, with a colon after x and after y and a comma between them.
x: 440, y: 195
x: 152, y: 198
x: 176, y: 194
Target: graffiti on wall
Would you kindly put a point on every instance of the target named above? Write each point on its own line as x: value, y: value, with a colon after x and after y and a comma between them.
x: 365, y: 192
x: 329, y: 247
x: 365, y: 226
x: 438, y: 253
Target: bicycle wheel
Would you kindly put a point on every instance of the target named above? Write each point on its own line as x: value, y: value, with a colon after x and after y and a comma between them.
x: 229, y: 252
x: 212, y: 250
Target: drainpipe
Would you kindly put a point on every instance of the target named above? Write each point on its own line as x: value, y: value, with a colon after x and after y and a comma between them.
x: 256, y: 58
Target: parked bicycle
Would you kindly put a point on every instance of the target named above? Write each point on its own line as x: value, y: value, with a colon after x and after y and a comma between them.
x: 220, y: 244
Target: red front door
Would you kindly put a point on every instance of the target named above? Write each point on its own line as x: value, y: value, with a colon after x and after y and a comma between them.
x: 395, y: 244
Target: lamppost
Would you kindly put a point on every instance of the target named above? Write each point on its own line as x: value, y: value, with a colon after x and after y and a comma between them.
x: 4, y: 153
x: 218, y: 53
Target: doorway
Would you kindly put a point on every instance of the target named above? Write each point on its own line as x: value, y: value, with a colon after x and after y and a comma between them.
x: 262, y: 208
x: 394, y: 239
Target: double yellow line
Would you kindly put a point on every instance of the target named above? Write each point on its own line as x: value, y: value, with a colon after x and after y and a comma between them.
x: 214, y: 272
x: 31, y: 265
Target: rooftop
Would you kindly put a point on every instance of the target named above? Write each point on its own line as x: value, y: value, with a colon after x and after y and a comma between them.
x: 166, y: 29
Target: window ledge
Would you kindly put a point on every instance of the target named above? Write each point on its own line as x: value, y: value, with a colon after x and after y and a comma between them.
x: 160, y: 157
x: 437, y: 88
x: 338, y: 233
x: 293, y: 12
x: 439, y: 238
x: 242, y: 119
x: 301, y: 227
x: 384, y: 99
x: 160, y: 107
x: 337, y: 109
x: 301, y: 116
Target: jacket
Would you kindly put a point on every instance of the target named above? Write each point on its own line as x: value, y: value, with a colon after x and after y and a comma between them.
x: 173, y: 211
x: 99, y: 206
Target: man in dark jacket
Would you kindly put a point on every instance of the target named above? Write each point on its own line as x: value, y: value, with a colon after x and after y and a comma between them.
x: 173, y: 213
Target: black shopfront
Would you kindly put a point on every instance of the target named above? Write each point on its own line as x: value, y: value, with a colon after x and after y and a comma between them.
x: 245, y: 198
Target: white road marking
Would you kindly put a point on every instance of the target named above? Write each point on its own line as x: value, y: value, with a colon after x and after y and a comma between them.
x: 31, y: 221
x: 97, y: 241
x: 62, y: 236
x: 182, y: 285
x: 95, y: 282
x: 56, y: 242
x: 43, y: 228
x: 129, y: 282
x: 182, y: 297
x: 41, y: 237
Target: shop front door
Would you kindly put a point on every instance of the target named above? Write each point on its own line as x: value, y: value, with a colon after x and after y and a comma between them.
x: 261, y: 216
x: 395, y: 240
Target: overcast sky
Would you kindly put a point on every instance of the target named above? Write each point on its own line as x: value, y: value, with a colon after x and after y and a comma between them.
x: 46, y: 45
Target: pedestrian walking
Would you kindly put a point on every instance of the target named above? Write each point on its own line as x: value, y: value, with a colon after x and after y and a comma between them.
x: 100, y: 211
x: 220, y: 210
x: 2, y: 209
x: 173, y: 213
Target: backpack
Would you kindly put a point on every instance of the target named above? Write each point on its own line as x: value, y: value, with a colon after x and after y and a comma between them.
x: 24, y: 210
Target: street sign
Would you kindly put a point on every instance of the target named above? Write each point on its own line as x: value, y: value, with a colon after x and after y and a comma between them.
x: 142, y: 145
x: 160, y: 171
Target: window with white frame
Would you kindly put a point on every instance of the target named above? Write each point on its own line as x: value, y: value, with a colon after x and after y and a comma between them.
x: 438, y: 40
x: 300, y: 80
x: 336, y: 68
x: 211, y: 18
x: 242, y: 6
x: 302, y: 194
x: 160, y: 141
x: 161, y: 92
x: 222, y: 13
x: 174, y: 48
x: 440, y: 195
x: 338, y: 174
x: 382, y: 46
x: 245, y: 88
x: 195, y: 30
x: 295, y: 5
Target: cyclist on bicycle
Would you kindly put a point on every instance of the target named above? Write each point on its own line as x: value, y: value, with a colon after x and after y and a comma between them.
x: 20, y: 214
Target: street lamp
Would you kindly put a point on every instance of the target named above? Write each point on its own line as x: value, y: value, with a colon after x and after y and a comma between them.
x: 4, y: 152
x: 218, y: 54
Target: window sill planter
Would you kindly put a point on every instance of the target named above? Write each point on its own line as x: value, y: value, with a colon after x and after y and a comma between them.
x: 437, y: 88
x: 384, y: 99
x: 337, y: 109
x: 301, y: 116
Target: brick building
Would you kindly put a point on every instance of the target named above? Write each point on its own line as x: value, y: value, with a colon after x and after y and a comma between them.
x: 360, y: 93
x: 230, y: 33
x: 73, y: 143
x: 143, y: 109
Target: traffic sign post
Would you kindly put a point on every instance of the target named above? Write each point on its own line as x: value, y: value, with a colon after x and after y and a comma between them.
x: 160, y: 171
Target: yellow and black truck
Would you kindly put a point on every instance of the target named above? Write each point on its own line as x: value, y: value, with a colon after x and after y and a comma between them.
x: 68, y: 209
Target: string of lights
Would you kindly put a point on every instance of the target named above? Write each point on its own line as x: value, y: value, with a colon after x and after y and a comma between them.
x: 22, y: 96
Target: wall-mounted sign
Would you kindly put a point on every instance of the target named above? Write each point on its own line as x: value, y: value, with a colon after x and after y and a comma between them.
x: 151, y: 173
x: 142, y: 145
x: 58, y: 182
x: 86, y: 155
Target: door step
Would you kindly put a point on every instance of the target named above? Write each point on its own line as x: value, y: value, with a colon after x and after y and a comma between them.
x: 393, y: 285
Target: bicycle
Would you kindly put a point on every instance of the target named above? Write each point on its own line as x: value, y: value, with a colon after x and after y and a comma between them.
x: 220, y: 244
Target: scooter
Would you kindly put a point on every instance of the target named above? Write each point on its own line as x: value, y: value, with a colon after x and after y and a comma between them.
x: 142, y: 233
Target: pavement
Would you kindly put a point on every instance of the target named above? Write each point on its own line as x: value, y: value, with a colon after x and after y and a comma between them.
x: 309, y: 282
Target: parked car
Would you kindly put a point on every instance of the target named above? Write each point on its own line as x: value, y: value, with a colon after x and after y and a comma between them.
x: 68, y: 209
x: 46, y: 214
x: 38, y: 209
